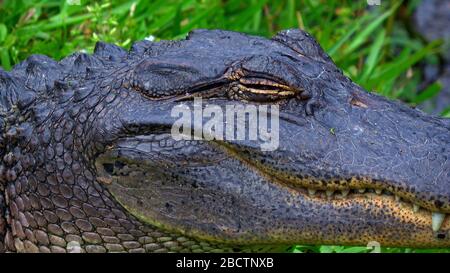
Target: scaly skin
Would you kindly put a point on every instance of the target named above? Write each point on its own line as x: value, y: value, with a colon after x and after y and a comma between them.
x: 88, y: 159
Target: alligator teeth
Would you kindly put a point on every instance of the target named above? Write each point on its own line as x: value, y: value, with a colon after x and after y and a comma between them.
x: 362, y: 190
x: 345, y: 193
x: 311, y: 192
x: 378, y: 191
x: 437, y: 218
x: 329, y: 193
x: 416, y: 207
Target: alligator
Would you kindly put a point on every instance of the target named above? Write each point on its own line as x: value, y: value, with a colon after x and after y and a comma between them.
x: 89, y: 162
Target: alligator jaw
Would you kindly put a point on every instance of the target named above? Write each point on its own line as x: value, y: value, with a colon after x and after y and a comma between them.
x: 236, y: 213
x: 434, y: 219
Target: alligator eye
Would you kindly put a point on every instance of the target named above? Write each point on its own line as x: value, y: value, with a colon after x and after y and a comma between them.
x: 259, y: 90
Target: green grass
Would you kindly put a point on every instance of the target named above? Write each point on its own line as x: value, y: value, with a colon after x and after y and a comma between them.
x: 372, y: 47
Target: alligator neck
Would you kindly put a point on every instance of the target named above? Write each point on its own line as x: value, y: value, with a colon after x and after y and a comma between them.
x: 14, y: 99
x: 52, y: 199
x: 3, y: 170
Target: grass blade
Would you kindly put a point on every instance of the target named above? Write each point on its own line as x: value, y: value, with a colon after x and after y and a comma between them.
x: 372, y: 59
x: 362, y: 36
x: 430, y: 92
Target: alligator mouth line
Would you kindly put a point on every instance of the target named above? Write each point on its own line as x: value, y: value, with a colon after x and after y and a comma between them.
x: 437, y: 218
x: 359, y: 190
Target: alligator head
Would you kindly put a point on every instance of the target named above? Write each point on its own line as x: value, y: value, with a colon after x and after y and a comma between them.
x: 90, y: 159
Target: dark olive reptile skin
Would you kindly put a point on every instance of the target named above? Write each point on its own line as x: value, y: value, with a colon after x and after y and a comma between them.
x: 59, y: 117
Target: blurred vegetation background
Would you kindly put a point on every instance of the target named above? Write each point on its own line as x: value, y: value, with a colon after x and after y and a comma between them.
x: 374, y: 45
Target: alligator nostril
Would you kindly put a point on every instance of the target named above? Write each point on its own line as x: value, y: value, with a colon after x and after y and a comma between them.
x: 109, y: 168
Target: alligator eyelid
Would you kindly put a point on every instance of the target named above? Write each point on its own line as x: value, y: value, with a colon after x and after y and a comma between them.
x: 263, y: 82
x: 247, y: 74
x: 270, y: 92
x: 255, y: 94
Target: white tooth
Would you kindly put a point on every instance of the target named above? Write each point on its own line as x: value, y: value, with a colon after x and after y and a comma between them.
x: 378, y: 191
x: 397, y: 198
x: 437, y: 218
x: 362, y: 190
x: 311, y: 192
x: 345, y: 192
x: 416, y: 207
x: 329, y: 193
